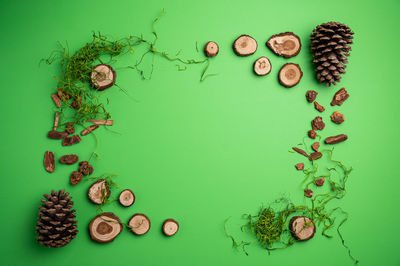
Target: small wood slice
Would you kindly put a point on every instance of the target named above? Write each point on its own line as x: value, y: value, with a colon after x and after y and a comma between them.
x: 262, y: 66
x: 285, y: 44
x: 98, y: 190
x: 170, y: 227
x: 105, y: 227
x: 302, y: 228
x: 102, y: 77
x: 139, y: 224
x: 245, y: 45
x: 290, y: 75
x: 211, y: 49
x: 127, y: 198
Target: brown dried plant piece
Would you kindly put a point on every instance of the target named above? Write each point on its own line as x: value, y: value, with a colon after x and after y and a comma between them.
x: 290, y: 75
x: 262, y: 66
x: 89, y: 129
x: 302, y: 228
x: 336, y: 139
x: 285, y: 44
x: 102, y: 77
x: 85, y: 168
x: 308, y: 193
x: 104, y: 122
x: 311, y: 95
x: 74, y: 139
x: 299, y: 166
x: 63, y: 95
x: 69, y: 128
x: 315, y: 146
x: 56, y: 100
x: 75, y: 178
x: 302, y: 152
x: 319, y: 107
x: 320, y: 182
x: 211, y: 49
x: 339, y: 97
x: 245, y: 45
x: 315, y: 156
x: 53, y: 134
x: 337, y: 117
x: 49, y: 163
x: 312, y: 134
x: 77, y: 102
x: 56, y: 120
x: 69, y: 159
x: 317, y: 123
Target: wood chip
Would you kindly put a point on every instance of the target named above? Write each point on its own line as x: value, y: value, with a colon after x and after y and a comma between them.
x: 56, y: 120
x: 104, y: 122
x: 56, y: 100
x: 336, y: 139
x: 89, y: 129
x: 302, y: 152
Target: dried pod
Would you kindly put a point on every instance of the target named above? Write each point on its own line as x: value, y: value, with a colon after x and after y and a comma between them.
x: 245, y: 45
x: 315, y: 156
x: 105, y: 122
x: 211, y: 49
x: 285, y: 44
x: 311, y: 95
x: 290, y: 75
x: 320, y: 182
x: 75, y: 178
x: 89, y: 129
x: 56, y: 134
x: 77, y: 102
x: 67, y: 141
x: 63, y: 95
x: 170, y: 227
x: 102, y: 77
x: 312, y: 134
x: 139, y: 224
x: 56, y: 100
x: 262, y: 66
x: 317, y: 123
x: 319, y: 107
x: 299, y: 166
x: 339, y: 97
x: 126, y: 198
x: 99, y: 191
x: 105, y: 227
x: 49, y: 163
x: 315, y: 146
x: 69, y: 159
x: 337, y: 117
x: 336, y: 139
x: 302, y: 228
x: 85, y: 168
x: 308, y: 193
x: 302, y: 152
x: 69, y: 128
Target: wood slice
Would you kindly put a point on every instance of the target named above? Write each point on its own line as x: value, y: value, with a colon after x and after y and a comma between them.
x: 127, y: 198
x: 285, y: 44
x: 211, y: 49
x: 262, y: 66
x: 102, y: 77
x: 290, y: 75
x: 139, y: 224
x: 170, y: 227
x: 302, y: 228
x: 245, y: 45
x: 105, y: 227
x: 98, y: 190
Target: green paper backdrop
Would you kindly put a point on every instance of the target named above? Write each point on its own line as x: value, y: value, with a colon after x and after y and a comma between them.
x: 201, y: 152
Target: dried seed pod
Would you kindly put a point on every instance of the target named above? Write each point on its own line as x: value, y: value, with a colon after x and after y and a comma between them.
x: 315, y: 156
x: 245, y: 45
x: 77, y: 102
x: 211, y: 49
x: 339, y: 97
x: 336, y: 139
x: 127, y: 198
x: 105, y: 122
x: 56, y: 120
x: 290, y: 75
x: 63, y: 95
x: 320, y: 182
x: 308, y: 193
x: 299, y: 166
x: 317, y: 123
x: 302, y: 152
x: 105, y: 227
x: 315, y: 146
x: 75, y: 178
x: 302, y: 228
x: 69, y: 128
x: 262, y: 66
x: 319, y: 107
x: 69, y: 159
x: 67, y: 141
x: 170, y: 227
x: 56, y: 100
x: 311, y: 95
x: 99, y: 191
x: 89, y: 129
x: 102, y: 77
x: 49, y: 163
x: 285, y: 44
x: 139, y: 224
x: 85, y: 168
x: 56, y: 134
x: 312, y: 134
x: 337, y: 117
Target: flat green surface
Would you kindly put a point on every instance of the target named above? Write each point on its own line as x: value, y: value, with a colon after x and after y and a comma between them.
x: 201, y: 152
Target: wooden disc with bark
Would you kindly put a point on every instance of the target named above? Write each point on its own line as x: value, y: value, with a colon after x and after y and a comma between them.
x: 139, y: 224
x: 211, y: 49
x: 102, y: 77
x: 302, y: 228
x: 126, y: 198
x: 262, y: 66
x: 245, y: 45
x: 105, y: 227
x: 99, y: 191
x: 170, y: 227
x: 285, y: 44
x: 290, y: 75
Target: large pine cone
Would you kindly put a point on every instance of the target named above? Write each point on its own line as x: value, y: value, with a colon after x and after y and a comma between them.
x: 330, y: 46
x: 56, y: 225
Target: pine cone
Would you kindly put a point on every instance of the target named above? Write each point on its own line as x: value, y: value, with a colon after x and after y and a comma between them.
x: 56, y: 225
x: 330, y: 46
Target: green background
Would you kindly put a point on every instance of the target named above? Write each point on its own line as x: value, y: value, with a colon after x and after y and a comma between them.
x: 201, y: 152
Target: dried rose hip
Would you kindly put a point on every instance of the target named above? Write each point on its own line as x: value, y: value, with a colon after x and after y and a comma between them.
x: 315, y: 146
x: 67, y: 141
x: 317, y: 123
x: 319, y: 107
x: 69, y: 159
x: 75, y: 178
x: 308, y: 193
x: 311, y: 95
x: 312, y: 134
x: 53, y: 134
x: 319, y: 182
x: 299, y: 166
x: 337, y: 117
x: 85, y: 168
x: 339, y: 97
